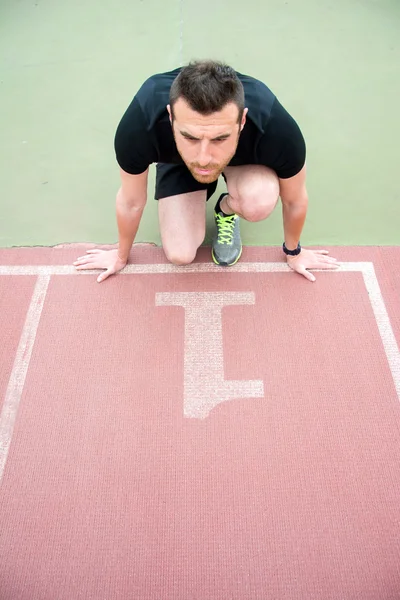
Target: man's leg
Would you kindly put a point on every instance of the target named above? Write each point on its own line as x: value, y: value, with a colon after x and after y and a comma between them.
x: 253, y: 192
x: 182, y: 221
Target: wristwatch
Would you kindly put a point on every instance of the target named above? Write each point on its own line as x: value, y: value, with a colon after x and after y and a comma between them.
x: 292, y: 252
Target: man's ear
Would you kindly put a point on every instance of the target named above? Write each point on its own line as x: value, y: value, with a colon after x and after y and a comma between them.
x: 169, y: 112
x: 242, y: 124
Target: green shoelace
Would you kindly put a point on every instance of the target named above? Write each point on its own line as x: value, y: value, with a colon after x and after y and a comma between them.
x: 225, y: 227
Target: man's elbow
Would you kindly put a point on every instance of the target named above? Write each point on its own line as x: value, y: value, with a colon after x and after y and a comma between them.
x: 130, y: 202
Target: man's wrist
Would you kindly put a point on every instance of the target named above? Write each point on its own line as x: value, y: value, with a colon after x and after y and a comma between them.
x: 291, y: 251
x: 121, y: 258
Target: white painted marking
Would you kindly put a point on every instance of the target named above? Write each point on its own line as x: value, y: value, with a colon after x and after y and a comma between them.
x: 384, y: 325
x: 20, y: 369
x: 204, y: 384
x: 165, y: 268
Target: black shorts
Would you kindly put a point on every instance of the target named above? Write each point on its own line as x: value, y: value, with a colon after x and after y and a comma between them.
x: 172, y: 180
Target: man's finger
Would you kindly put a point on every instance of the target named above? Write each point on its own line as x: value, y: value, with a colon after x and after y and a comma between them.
x: 81, y: 258
x: 94, y: 251
x: 303, y: 271
x: 325, y: 266
x: 321, y: 251
x: 327, y: 260
x: 104, y: 275
x: 83, y: 262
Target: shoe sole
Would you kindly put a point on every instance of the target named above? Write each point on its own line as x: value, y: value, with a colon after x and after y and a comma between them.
x: 222, y: 264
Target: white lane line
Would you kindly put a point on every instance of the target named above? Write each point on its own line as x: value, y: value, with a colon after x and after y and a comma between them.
x: 20, y: 369
x: 384, y: 325
x: 157, y: 269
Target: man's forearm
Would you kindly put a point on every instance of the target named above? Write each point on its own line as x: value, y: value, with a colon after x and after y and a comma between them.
x: 128, y: 219
x: 294, y: 216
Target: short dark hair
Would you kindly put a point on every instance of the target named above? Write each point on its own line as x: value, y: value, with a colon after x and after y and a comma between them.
x: 207, y: 86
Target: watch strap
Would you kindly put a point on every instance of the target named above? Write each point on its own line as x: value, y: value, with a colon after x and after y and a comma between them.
x: 295, y: 252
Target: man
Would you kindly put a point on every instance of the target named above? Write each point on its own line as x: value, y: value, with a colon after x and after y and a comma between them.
x: 197, y: 123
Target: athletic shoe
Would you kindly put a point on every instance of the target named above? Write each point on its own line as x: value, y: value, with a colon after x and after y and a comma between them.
x: 227, y: 245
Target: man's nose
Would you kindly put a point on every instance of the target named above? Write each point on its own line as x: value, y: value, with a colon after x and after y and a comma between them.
x: 204, y: 157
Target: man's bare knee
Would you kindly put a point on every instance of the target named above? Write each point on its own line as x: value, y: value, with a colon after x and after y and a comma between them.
x: 254, y: 191
x: 180, y: 256
x: 259, y: 207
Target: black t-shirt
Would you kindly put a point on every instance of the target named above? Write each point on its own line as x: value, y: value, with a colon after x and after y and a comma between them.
x: 270, y: 137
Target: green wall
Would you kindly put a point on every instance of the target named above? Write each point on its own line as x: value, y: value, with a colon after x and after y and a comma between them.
x: 69, y: 70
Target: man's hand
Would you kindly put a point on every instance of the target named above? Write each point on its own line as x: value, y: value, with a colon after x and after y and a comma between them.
x: 101, y: 259
x: 311, y: 259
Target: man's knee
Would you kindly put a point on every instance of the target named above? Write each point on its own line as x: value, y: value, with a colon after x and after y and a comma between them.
x: 258, y: 207
x: 256, y: 193
x: 180, y: 256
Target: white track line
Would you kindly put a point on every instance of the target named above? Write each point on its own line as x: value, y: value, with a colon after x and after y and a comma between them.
x: 156, y: 269
x: 384, y: 325
x: 20, y: 368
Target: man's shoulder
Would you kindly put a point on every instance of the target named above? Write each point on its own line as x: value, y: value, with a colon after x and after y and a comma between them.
x: 250, y: 82
x: 153, y: 94
x: 159, y: 81
x: 259, y: 99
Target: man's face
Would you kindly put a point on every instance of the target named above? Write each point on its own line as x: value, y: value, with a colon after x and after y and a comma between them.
x: 206, y: 143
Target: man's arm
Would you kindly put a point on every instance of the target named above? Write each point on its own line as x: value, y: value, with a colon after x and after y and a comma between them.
x: 294, y: 198
x: 130, y: 203
x: 131, y: 200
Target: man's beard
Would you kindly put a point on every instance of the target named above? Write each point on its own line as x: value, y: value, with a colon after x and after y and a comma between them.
x: 215, y: 168
x: 216, y: 171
